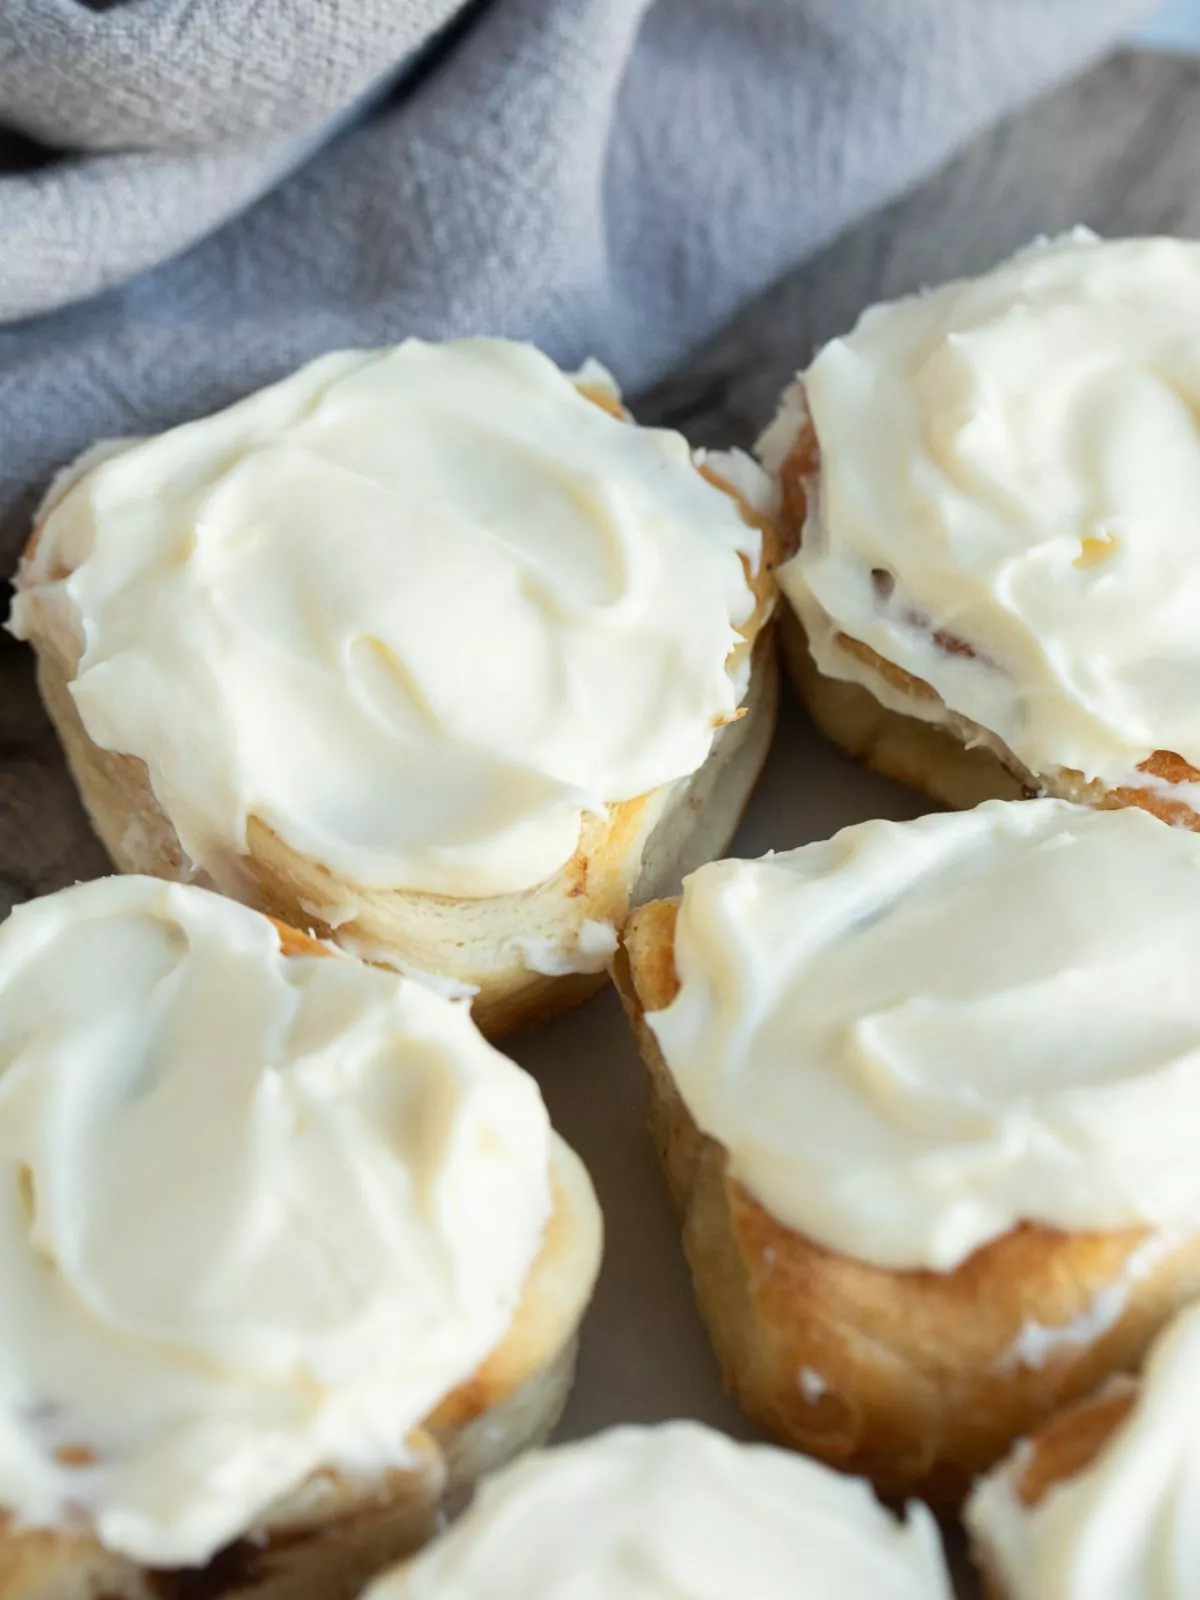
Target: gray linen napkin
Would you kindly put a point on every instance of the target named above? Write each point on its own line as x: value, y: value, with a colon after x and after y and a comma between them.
x: 196, y: 195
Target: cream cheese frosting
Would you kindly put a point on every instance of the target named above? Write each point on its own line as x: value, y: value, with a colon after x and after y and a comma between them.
x: 676, y: 1512
x: 418, y: 610
x: 914, y: 1036
x: 1126, y: 1526
x: 258, y: 1214
x: 1012, y: 463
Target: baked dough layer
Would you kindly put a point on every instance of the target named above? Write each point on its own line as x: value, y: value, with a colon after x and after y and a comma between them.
x: 914, y: 1379
x: 1057, y: 1451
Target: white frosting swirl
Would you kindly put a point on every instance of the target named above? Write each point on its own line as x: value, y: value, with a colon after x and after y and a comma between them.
x: 258, y: 1214
x: 916, y: 1035
x: 1125, y: 1527
x: 676, y: 1512
x: 417, y: 610
x: 1014, y: 462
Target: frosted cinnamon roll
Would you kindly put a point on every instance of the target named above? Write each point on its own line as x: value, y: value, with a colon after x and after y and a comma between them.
x: 428, y: 649
x: 287, y: 1252
x: 926, y: 1099
x: 1101, y: 1503
x: 676, y: 1512
x: 997, y: 587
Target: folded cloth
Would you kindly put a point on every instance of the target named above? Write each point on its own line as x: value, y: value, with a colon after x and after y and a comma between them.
x: 196, y: 195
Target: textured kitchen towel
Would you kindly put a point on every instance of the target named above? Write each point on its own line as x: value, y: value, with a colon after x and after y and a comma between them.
x: 195, y: 195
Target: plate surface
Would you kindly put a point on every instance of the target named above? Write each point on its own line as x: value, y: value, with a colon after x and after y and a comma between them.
x: 645, y: 1356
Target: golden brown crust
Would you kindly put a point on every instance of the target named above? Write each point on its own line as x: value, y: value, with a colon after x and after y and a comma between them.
x: 293, y: 942
x: 638, y: 850
x: 1069, y: 1443
x: 938, y: 761
x: 919, y: 1385
x: 1057, y: 1451
x: 799, y: 469
x: 605, y: 399
x: 776, y: 548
